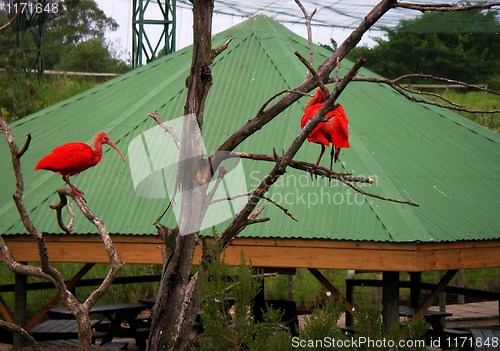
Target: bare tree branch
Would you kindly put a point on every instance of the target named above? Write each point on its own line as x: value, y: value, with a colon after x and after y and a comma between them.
x: 25, y: 146
x: 56, y: 277
x: 312, y: 72
x: 166, y: 128
x: 362, y: 192
x: 216, y: 52
x: 264, y: 117
x: 308, y: 18
x: 63, y: 202
x: 268, y: 101
x: 18, y: 330
x: 444, y: 7
x: 240, y: 221
x: 411, y: 94
x: 307, y: 167
x: 115, y: 262
x: 6, y: 25
x: 346, y: 178
x: 284, y: 209
x: 80, y: 311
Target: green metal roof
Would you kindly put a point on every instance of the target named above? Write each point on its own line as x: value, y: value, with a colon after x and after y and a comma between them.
x: 446, y: 163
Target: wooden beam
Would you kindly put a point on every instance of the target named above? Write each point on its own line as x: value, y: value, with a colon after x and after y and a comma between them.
x: 284, y: 253
x: 20, y: 299
x: 415, y: 280
x: 335, y: 292
x: 390, y: 301
x: 5, y: 311
x: 69, y: 285
x: 434, y: 293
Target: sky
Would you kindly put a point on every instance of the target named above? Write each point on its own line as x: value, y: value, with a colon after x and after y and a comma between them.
x: 121, y: 12
x: 334, y: 19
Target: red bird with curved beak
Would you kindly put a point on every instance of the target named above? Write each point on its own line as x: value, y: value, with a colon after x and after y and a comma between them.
x: 72, y: 158
x: 333, y: 130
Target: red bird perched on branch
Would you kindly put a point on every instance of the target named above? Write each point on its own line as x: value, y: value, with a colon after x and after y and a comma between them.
x: 72, y: 158
x: 332, y: 130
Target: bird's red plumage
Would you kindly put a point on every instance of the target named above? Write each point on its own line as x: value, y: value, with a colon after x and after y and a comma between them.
x: 70, y: 158
x: 333, y: 130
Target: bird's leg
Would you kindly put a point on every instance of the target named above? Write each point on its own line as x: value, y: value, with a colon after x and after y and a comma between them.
x: 337, y: 154
x: 320, y: 156
x: 76, y: 192
x: 331, y: 162
x: 331, y: 157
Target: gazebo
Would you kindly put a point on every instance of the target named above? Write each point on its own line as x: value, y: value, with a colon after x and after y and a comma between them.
x: 444, y: 162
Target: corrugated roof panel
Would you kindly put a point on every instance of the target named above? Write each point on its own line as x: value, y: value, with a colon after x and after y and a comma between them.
x: 429, y: 155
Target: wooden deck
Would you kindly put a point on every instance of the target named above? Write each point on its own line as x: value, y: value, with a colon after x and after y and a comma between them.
x: 468, y: 315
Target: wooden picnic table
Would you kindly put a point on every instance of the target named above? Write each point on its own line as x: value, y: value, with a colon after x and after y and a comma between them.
x: 432, y: 317
x: 148, y: 302
x: 485, y: 339
x: 54, y: 329
x: 121, y: 318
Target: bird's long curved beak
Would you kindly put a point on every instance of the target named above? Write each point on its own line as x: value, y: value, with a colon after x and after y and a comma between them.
x: 117, y: 150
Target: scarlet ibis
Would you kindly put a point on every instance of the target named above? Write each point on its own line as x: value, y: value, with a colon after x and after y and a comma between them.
x: 72, y: 158
x: 333, y: 130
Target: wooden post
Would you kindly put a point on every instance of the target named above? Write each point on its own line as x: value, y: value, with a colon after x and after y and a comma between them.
x: 390, y: 300
x: 335, y: 292
x: 461, y: 283
x: 442, y: 300
x: 20, y: 298
x: 415, y: 279
x: 259, y: 304
x: 349, y: 292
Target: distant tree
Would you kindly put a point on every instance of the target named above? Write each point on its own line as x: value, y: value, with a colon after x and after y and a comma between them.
x: 78, y: 21
x: 458, y: 45
x: 90, y: 56
x: 74, y: 40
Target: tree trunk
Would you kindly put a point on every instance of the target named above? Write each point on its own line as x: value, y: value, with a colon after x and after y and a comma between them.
x: 176, y: 307
x: 84, y: 331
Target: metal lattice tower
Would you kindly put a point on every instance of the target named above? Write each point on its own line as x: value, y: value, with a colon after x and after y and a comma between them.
x: 142, y: 46
x: 30, y: 25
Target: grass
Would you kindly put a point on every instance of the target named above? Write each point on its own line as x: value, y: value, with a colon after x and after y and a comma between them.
x: 23, y: 96
x: 477, y: 100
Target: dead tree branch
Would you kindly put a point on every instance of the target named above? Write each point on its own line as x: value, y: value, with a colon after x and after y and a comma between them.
x: 444, y: 7
x: 25, y: 146
x: 411, y: 94
x: 240, y: 221
x: 166, y: 128
x: 56, y: 277
x: 312, y: 72
x: 345, y: 178
x: 284, y: 209
x: 216, y: 52
x: 80, y: 311
x: 268, y: 101
x: 63, y: 202
x: 12, y: 20
x: 18, y: 330
x: 265, y: 116
x: 308, y: 17
x: 306, y: 167
x: 115, y: 262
